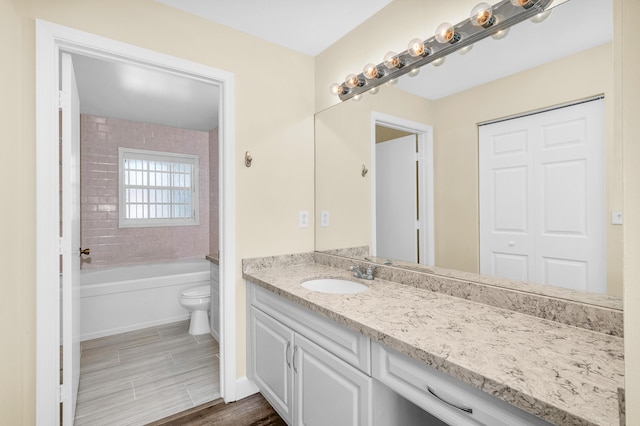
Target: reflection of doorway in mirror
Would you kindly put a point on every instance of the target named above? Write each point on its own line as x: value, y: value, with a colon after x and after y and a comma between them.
x: 402, y: 189
x: 542, y: 196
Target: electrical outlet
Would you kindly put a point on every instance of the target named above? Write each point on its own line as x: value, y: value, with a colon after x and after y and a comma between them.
x: 303, y: 219
x: 616, y: 218
x: 324, y: 218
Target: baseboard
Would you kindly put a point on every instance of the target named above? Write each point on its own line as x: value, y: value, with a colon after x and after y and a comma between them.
x: 133, y: 327
x: 245, y: 388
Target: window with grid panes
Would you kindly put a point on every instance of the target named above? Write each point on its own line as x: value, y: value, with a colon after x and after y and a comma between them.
x: 157, y: 188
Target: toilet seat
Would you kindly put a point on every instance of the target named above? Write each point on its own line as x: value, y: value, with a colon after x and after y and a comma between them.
x: 197, y: 292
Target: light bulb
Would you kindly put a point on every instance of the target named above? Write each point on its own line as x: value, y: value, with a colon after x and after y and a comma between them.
x: 352, y: 81
x: 371, y: 71
x: 501, y: 34
x: 445, y: 33
x: 482, y: 15
x: 392, y: 82
x: 414, y: 72
x: 536, y: 19
x: 336, y: 89
x: 524, y: 3
x: 357, y: 97
x: 417, y: 48
x: 438, y: 62
x: 374, y: 90
x: 391, y: 60
x: 466, y: 49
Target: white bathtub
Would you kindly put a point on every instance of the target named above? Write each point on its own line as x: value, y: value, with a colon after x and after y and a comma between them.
x: 120, y: 299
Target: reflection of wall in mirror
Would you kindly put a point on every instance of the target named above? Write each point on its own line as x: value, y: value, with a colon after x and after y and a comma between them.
x: 454, y: 119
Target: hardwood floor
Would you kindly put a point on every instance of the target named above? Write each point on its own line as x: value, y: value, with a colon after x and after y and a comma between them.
x: 138, y: 377
x: 251, y: 411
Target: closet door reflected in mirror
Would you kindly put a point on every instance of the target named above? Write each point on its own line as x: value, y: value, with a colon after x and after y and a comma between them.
x: 542, y: 196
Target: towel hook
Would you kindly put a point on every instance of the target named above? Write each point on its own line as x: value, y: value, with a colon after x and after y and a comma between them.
x: 247, y: 159
x: 364, y: 170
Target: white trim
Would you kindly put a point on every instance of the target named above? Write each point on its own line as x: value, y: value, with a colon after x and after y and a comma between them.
x: 424, y: 132
x: 50, y: 40
x: 245, y: 388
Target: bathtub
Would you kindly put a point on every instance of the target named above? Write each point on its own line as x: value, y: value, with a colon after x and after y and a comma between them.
x: 120, y: 299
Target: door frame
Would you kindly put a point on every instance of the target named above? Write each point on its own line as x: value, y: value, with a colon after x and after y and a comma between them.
x: 424, y: 134
x: 50, y: 40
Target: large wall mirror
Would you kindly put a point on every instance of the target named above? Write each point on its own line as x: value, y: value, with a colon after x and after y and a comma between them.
x: 566, y: 59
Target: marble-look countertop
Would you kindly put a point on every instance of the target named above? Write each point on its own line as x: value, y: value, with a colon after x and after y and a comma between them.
x: 563, y: 374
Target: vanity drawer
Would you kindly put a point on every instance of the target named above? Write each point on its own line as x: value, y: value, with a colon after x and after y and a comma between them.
x: 348, y: 345
x: 449, y: 399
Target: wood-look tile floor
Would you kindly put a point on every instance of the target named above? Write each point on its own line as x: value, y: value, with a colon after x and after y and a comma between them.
x: 141, y: 376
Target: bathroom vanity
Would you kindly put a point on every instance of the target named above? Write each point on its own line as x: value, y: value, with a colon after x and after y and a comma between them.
x: 403, y: 353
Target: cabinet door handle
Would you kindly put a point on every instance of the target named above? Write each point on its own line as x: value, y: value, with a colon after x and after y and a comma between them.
x: 295, y: 349
x: 286, y: 353
x: 465, y: 409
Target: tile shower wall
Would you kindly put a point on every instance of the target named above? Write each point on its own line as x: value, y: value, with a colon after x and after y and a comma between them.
x: 110, y: 245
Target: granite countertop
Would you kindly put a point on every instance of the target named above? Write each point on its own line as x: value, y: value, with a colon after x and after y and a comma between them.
x: 563, y: 374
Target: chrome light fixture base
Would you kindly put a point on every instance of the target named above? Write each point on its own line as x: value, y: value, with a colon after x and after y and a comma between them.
x: 505, y: 15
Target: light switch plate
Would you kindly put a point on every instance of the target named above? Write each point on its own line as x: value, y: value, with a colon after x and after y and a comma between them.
x: 324, y: 218
x: 303, y: 219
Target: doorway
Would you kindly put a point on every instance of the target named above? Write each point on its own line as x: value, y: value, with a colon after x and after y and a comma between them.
x: 402, y: 190
x: 51, y: 40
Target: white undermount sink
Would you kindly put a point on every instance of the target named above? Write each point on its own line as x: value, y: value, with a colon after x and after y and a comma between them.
x: 334, y: 286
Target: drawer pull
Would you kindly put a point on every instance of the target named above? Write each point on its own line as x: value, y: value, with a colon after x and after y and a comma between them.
x: 465, y: 409
x: 286, y: 353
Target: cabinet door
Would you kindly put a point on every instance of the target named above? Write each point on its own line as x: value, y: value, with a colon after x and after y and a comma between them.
x: 270, y: 361
x: 328, y: 391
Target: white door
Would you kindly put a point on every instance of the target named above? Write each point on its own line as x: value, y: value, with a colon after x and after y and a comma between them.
x: 396, y: 199
x: 270, y: 361
x: 328, y: 391
x: 70, y: 233
x: 542, y: 216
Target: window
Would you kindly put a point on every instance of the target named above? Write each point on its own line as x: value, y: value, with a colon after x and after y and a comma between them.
x: 157, y: 188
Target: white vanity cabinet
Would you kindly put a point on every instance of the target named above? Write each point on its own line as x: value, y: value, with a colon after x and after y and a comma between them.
x: 314, y: 371
x: 296, y: 360
x: 449, y: 399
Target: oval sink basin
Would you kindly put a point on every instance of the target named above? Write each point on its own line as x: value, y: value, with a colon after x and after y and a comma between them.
x: 334, y: 286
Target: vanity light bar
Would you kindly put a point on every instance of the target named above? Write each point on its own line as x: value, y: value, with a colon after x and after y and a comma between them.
x: 485, y: 21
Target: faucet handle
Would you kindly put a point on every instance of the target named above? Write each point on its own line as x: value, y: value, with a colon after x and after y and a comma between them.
x: 371, y: 269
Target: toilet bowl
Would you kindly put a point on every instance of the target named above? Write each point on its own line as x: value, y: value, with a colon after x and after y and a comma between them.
x: 198, y: 301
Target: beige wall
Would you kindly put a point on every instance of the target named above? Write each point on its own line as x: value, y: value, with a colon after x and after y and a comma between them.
x: 276, y: 125
x: 627, y: 60
x: 17, y: 224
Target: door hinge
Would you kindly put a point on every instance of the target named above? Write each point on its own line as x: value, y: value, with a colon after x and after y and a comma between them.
x: 418, y: 156
x: 63, y: 99
x: 60, y: 245
x: 62, y: 393
x: 418, y: 224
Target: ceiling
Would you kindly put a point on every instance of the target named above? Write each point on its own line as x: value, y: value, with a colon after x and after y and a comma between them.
x: 308, y: 26
x: 133, y: 92
x: 136, y: 93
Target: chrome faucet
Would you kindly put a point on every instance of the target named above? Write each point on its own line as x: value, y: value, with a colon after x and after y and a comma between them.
x: 360, y: 271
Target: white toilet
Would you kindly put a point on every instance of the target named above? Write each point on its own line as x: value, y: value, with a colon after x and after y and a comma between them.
x: 198, y: 301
